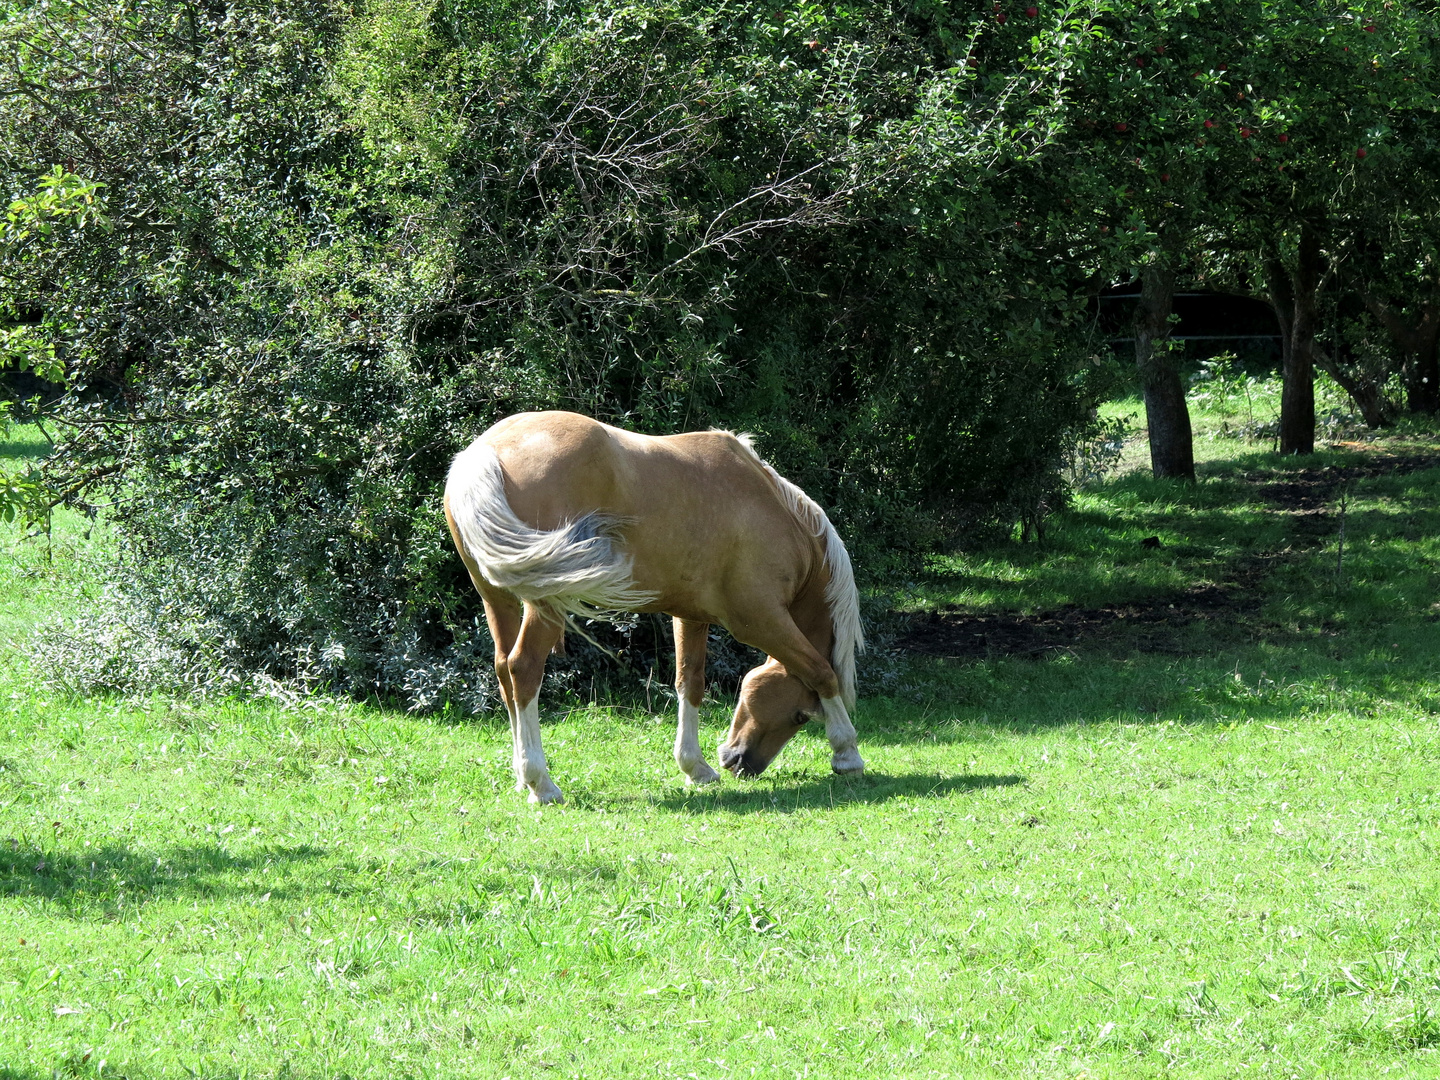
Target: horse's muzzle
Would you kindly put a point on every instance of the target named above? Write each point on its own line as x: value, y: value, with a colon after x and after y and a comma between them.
x: 739, y: 762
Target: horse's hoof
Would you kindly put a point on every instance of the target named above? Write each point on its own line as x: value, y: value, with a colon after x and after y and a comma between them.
x: 849, y: 763
x: 547, y: 794
x: 702, y: 775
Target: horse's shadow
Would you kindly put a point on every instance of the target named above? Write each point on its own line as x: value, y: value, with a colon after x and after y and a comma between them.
x: 786, y: 795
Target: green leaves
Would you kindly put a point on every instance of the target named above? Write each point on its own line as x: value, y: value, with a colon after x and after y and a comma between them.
x: 59, y: 201
x: 59, y: 197
x: 22, y: 496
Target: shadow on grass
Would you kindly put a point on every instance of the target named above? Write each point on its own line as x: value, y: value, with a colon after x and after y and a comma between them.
x: 1240, y: 608
x: 1352, y: 662
x: 1136, y: 537
x: 23, y: 450
x: 760, y: 796
x: 114, y: 876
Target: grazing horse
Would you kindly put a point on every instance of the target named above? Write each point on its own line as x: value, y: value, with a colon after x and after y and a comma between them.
x: 557, y: 514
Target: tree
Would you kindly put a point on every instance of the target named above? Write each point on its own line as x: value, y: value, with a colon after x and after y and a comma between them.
x: 1392, y: 271
x: 1248, y: 142
x: 1319, y: 114
x: 60, y: 203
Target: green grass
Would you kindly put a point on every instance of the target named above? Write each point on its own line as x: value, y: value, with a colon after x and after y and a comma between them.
x: 1113, y: 863
x: 1092, y: 554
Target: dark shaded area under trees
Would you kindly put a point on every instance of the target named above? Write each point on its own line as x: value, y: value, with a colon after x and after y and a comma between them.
x: 296, y: 257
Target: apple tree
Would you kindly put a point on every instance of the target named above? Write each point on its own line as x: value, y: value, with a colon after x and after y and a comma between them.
x: 1247, y: 144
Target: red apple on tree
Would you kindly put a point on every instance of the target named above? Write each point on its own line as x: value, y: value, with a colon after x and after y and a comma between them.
x: 1360, y: 153
x: 1032, y: 11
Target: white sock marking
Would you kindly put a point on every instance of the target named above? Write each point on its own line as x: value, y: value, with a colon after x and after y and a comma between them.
x: 530, y: 764
x: 515, y: 766
x: 688, y: 754
x: 841, y: 733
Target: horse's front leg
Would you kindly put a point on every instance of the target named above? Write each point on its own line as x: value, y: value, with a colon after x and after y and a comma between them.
x: 538, y: 634
x: 793, y: 649
x: 844, y: 753
x: 690, y: 640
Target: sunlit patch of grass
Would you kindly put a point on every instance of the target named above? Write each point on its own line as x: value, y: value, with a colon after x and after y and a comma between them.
x: 1234, y: 417
x: 1096, y: 552
x: 1118, y: 863
x: 21, y: 443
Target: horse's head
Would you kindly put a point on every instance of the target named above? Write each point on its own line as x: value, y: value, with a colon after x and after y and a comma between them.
x: 773, y: 707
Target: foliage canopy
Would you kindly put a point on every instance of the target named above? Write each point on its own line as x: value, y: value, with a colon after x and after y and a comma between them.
x: 290, y: 259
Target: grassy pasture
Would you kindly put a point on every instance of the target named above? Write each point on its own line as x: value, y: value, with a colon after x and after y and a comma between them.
x: 1194, y: 846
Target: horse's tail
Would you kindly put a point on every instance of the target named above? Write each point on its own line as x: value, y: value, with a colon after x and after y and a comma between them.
x: 575, y: 569
x: 841, y: 595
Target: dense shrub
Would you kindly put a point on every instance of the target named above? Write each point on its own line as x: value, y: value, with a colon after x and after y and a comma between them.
x: 337, y: 248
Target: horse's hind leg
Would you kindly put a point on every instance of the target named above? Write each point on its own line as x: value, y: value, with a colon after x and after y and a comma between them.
x: 502, y: 613
x: 538, y: 634
x: 689, y: 689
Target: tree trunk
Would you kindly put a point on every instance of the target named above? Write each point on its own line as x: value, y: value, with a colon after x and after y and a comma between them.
x: 1417, y: 343
x: 1295, y: 297
x: 1363, y: 391
x: 1282, y: 301
x: 1171, y: 449
x: 1422, y: 371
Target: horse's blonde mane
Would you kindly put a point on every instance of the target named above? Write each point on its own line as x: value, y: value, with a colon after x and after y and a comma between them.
x: 841, y: 595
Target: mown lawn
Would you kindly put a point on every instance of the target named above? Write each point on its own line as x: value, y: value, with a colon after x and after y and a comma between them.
x: 1204, y: 850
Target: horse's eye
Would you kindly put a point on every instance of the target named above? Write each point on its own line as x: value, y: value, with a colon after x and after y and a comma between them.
x: 801, y: 718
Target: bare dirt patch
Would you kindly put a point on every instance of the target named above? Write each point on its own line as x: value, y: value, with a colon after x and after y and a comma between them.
x: 1151, y: 625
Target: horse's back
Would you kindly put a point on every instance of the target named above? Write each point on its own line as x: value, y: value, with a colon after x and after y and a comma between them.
x: 558, y: 466
x: 700, y: 518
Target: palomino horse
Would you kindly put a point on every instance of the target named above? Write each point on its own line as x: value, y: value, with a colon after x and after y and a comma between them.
x: 557, y: 514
